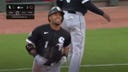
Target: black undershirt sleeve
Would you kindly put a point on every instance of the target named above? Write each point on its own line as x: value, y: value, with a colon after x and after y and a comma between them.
x: 90, y: 6
x: 59, y: 3
x: 67, y: 41
x: 34, y: 36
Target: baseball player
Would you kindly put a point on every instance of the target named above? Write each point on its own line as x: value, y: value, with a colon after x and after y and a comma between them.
x: 48, y: 43
x: 74, y: 22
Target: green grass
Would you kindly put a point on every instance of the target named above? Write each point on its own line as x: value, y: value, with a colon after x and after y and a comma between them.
x: 106, y: 46
x: 103, y: 46
x: 12, y: 51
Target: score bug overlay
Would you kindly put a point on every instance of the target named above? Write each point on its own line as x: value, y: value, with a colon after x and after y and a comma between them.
x: 20, y: 11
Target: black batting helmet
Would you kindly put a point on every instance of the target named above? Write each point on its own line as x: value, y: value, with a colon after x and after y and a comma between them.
x: 55, y: 9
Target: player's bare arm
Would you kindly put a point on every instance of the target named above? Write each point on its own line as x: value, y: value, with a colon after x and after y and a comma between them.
x: 65, y: 51
x: 107, y: 17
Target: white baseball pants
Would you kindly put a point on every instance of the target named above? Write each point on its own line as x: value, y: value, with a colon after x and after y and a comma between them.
x: 75, y: 24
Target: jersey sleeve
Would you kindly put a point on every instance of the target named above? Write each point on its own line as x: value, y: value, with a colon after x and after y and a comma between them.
x: 67, y: 40
x: 33, y: 37
x: 59, y: 3
x: 90, y: 6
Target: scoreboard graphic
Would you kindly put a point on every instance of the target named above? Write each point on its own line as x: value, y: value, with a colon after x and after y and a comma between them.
x: 20, y: 11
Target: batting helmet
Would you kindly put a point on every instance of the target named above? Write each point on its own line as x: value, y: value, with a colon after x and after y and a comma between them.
x: 54, y: 10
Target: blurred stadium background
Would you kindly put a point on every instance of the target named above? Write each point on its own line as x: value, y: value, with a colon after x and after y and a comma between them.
x: 49, y: 3
x: 106, y: 49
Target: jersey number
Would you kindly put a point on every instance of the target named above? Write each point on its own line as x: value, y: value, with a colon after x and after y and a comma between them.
x: 68, y: 1
x: 46, y: 44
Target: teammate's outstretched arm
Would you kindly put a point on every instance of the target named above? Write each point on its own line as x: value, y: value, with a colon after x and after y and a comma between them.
x: 107, y: 17
x: 91, y: 7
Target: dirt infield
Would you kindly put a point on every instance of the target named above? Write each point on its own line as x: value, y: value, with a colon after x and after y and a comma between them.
x: 118, y: 15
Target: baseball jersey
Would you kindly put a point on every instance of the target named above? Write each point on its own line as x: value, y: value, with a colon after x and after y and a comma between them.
x: 44, y: 37
x: 78, y: 5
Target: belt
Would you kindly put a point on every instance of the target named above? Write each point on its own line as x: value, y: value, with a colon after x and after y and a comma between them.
x: 70, y: 11
x: 73, y: 12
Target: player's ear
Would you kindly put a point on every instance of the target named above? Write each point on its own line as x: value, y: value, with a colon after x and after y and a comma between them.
x: 49, y: 18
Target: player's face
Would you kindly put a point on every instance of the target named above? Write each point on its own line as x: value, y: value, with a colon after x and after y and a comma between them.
x: 56, y: 18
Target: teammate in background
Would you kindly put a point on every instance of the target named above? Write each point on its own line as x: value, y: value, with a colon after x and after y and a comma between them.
x: 74, y: 22
x: 48, y: 43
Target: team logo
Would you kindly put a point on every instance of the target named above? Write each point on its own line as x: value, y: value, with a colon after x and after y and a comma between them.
x: 61, y: 42
x: 45, y: 32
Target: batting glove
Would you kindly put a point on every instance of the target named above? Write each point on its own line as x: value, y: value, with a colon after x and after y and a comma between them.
x: 63, y: 60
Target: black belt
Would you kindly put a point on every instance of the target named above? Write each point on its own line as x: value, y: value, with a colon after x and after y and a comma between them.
x: 70, y: 11
x: 73, y: 12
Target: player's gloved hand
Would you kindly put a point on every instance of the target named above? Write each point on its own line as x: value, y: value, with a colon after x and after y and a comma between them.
x: 63, y: 60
